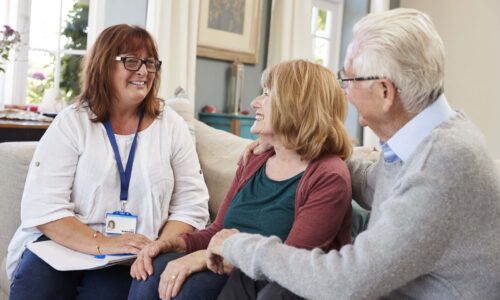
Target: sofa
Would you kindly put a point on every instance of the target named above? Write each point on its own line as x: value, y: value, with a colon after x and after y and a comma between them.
x: 218, y: 152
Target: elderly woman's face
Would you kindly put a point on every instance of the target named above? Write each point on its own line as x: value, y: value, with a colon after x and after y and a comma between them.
x: 262, y: 106
x: 131, y: 87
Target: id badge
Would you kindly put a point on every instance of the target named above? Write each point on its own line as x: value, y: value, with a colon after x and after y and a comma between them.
x: 120, y: 222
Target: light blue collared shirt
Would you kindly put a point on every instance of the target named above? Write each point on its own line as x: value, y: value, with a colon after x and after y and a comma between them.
x: 406, y: 139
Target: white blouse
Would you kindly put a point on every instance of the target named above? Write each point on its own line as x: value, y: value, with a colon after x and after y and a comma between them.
x: 74, y: 173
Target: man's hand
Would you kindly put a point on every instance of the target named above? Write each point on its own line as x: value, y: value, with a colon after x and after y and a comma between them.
x: 214, y: 259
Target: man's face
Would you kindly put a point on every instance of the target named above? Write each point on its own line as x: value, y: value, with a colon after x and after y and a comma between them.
x: 365, y: 97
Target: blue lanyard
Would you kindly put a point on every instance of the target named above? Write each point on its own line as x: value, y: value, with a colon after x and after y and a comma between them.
x: 124, y: 175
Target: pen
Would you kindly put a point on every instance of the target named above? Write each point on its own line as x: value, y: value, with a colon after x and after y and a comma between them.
x: 118, y: 254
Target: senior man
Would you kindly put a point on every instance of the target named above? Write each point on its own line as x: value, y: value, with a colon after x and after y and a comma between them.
x: 434, y: 195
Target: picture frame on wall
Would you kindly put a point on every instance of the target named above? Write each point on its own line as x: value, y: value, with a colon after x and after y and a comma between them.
x: 230, y: 30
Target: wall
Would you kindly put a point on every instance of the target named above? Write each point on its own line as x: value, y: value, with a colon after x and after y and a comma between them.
x: 212, y: 75
x: 131, y: 12
x: 470, y: 32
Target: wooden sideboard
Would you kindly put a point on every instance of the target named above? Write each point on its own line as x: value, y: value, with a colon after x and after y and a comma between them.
x: 13, y: 130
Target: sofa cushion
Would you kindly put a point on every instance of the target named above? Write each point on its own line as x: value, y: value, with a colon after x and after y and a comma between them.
x: 366, y: 153
x: 14, y: 159
x: 4, y: 282
x: 219, y: 153
x: 184, y: 108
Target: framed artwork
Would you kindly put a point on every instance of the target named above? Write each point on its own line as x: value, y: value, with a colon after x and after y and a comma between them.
x: 230, y: 30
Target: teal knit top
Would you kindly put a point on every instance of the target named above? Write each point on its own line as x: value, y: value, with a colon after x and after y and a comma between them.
x: 264, y: 206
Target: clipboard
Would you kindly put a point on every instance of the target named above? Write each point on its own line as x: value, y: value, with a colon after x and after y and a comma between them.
x: 64, y: 259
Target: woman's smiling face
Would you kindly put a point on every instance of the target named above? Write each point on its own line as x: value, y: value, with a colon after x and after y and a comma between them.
x: 262, y: 106
x: 131, y: 87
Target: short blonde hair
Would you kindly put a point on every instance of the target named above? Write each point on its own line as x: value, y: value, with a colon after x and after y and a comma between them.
x: 308, y: 109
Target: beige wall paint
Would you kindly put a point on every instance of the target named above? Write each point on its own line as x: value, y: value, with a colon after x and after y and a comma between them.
x: 471, y: 34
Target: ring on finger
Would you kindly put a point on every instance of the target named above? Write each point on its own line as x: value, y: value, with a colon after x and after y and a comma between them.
x: 173, y: 277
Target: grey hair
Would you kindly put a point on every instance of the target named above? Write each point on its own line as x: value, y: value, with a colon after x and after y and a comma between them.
x: 403, y: 46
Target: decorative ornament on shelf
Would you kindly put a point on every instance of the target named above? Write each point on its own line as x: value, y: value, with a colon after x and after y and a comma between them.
x: 209, y: 109
x: 235, y: 87
x: 9, y: 38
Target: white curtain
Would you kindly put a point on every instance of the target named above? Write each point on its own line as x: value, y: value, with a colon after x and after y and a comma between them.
x: 290, y: 33
x: 174, y: 24
x: 4, y: 8
x: 17, y: 15
x: 97, y: 13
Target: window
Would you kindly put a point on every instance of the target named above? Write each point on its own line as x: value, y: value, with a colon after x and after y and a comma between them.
x: 54, y: 39
x: 326, y: 28
x: 58, y: 39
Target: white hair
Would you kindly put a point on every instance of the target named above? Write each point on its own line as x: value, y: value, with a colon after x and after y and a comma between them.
x: 403, y: 46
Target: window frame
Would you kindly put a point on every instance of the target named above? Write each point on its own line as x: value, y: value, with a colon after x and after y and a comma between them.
x: 334, y: 30
x: 14, y: 82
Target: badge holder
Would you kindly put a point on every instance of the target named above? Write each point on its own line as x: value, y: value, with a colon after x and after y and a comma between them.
x: 120, y: 222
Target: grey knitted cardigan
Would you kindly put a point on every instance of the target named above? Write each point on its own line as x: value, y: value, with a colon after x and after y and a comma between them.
x: 434, y: 231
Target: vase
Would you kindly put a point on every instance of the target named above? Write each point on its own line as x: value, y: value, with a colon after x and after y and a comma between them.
x: 235, y: 88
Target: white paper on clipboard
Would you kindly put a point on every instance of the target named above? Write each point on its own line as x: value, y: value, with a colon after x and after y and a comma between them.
x: 64, y: 259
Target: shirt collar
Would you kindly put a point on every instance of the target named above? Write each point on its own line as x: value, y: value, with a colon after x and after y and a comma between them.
x: 408, y: 137
x: 389, y: 155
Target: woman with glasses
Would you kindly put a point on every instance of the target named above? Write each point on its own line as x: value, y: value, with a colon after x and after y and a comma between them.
x: 288, y: 191
x: 114, y: 156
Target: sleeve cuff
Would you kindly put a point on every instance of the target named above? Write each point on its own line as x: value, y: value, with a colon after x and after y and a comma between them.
x: 226, y: 247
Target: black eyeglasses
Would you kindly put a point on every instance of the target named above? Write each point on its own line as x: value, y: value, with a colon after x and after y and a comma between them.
x: 344, y: 82
x: 134, y: 63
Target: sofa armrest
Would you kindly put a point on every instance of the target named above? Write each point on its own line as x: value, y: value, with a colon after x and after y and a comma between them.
x: 366, y: 153
x: 15, y: 158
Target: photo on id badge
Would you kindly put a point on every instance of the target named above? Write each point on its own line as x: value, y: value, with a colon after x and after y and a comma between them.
x: 118, y: 223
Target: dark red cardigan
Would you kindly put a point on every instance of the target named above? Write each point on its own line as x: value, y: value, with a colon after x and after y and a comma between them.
x: 322, y: 205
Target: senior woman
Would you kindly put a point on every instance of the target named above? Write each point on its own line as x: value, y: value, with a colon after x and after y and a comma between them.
x: 118, y: 152
x: 287, y: 192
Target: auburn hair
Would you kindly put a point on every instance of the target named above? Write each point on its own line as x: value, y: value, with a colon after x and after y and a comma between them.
x: 98, y: 67
x: 308, y: 109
